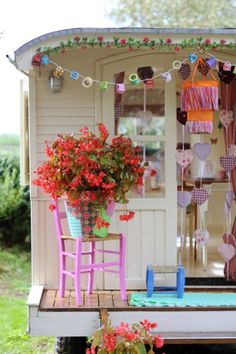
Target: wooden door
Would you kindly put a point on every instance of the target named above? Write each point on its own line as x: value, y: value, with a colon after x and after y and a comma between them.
x: 151, y: 235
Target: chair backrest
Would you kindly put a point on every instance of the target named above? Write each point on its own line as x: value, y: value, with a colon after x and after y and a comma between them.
x: 58, y: 217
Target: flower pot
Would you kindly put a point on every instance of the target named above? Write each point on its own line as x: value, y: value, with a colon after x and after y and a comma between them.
x: 85, y: 220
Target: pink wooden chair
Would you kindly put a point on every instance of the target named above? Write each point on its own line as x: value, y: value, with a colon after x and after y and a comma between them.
x: 91, y: 266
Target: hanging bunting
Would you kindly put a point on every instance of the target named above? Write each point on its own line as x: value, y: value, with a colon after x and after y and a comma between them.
x: 226, y: 71
x: 181, y: 116
x: 184, y: 71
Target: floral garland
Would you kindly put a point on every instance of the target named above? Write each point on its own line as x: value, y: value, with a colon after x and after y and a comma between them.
x: 133, y: 43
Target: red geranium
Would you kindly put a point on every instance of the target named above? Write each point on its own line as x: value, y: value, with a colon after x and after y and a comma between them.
x: 134, y: 338
x: 90, y: 168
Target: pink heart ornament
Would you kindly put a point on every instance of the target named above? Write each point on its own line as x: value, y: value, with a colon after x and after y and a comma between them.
x: 226, y: 117
x: 231, y: 150
x: 202, y: 150
x: 199, y: 195
x: 228, y: 162
x: 201, y: 236
x: 183, y: 199
x: 227, y: 251
x: 184, y: 157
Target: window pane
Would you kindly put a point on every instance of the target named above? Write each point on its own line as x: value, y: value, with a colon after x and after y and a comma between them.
x: 154, y: 154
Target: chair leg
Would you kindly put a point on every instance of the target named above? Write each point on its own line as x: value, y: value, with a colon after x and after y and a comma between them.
x: 91, y: 273
x: 78, y: 261
x: 62, y: 276
x: 122, y: 267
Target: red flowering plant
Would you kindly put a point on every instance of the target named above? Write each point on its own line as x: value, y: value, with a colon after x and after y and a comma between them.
x: 89, y: 168
x: 125, y: 339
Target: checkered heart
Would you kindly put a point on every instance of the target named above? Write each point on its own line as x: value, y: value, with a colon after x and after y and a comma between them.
x: 228, y: 162
x: 199, y: 195
x: 184, y: 157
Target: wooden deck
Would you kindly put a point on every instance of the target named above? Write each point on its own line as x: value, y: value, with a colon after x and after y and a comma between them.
x: 111, y: 301
x: 50, y: 315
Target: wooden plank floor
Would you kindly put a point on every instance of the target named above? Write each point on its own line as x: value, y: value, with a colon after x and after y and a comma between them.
x: 111, y: 300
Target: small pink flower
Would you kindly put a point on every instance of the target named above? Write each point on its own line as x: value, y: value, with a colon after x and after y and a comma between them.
x: 100, y: 38
x: 168, y: 40
x: 146, y: 39
x: 207, y: 41
x: 123, y: 41
x: 222, y: 41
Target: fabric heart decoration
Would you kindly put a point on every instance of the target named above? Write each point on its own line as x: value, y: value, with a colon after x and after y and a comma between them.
x: 203, y: 68
x: 192, y: 58
x: 226, y: 76
x: 201, y: 236
x: 183, y: 199
x: 184, y: 71
x: 184, y: 157
x: 202, y: 150
x: 231, y: 150
x: 199, y: 195
x: 228, y: 162
x: 226, y: 117
x: 229, y: 196
x: 227, y: 251
x: 181, y: 116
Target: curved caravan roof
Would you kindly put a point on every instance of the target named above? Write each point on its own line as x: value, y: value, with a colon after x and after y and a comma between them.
x: 24, y: 54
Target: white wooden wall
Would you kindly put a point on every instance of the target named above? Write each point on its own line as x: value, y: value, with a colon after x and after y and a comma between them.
x: 151, y: 235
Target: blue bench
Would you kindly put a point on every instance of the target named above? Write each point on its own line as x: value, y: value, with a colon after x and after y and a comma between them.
x: 180, y: 280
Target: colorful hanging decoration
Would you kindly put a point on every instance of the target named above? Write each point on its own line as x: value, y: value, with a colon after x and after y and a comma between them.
x: 227, y: 250
x: 192, y: 58
x: 200, y: 98
x: 134, y: 80
x: 228, y: 163
x: 166, y: 76
x: 120, y: 88
x: 201, y: 236
x: 103, y: 85
x: 181, y: 116
x: 232, y: 150
x: 87, y: 82
x: 226, y: 117
x: 199, y: 195
x: 184, y: 71
x: 202, y: 150
x: 183, y: 199
x: 227, y: 66
x: 74, y: 75
x: 145, y: 74
x: 184, y: 157
x: 226, y: 76
x: 211, y: 62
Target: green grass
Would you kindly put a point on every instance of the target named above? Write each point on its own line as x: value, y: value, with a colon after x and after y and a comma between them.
x: 14, y: 287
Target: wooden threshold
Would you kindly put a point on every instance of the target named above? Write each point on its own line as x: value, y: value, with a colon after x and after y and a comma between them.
x: 110, y: 300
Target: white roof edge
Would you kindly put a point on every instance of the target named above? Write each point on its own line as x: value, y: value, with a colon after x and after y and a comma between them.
x: 122, y: 30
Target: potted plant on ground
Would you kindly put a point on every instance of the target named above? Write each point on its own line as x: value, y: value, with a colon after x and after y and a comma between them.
x: 90, y: 172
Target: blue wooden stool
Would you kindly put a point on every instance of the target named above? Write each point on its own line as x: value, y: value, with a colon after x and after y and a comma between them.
x: 180, y: 280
